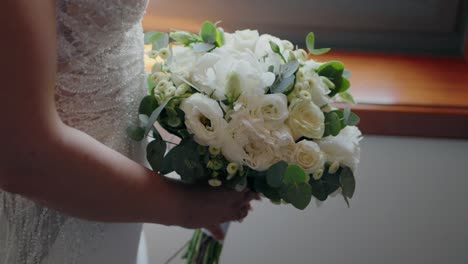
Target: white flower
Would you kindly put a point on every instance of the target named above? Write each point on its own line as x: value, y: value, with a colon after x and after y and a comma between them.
x: 318, y: 89
x: 163, y: 85
x: 241, y: 40
x: 164, y: 53
x: 343, y: 148
x: 306, y: 119
x: 211, y: 72
x: 287, y: 45
x: 183, y: 61
x: 300, y: 55
x: 308, y: 156
x: 204, y: 119
x: 272, y: 107
x: 266, y: 55
x: 182, y: 89
x: 170, y: 91
x: 153, y: 54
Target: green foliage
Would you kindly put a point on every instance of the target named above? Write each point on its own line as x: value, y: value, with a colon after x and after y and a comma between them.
x: 159, y: 40
x: 136, y: 133
x: 147, y: 105
x: 336, y: 120
x: 155, y: 115
x: 275, y: 174
x: 276, y: 49
x: 202, y: 47
x: 155, y: 153
x: 334, y: 71
x: 298, y: 194
x: 209, y: 33
x: 331, y: 182
x: 347, y: 182
x: 220, y: 38
x: 184, y: 38
x: 347, y: 97
x: 186, y: 161
x: 286, y: 77
x: 310, y: 42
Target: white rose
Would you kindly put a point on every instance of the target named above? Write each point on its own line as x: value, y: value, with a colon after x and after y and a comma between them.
x: 211, y: 72
x: 204, y: 119
x: 241, y: 40
x: 308, y: 156
x: 343, y: 148
x: 262, y: 158
x: 266, y: 55
x: 272, y: 107
x: 305, y: 119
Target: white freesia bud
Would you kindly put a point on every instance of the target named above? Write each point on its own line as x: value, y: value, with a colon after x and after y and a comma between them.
x: 233, y: 87
x: 157, y: 77
x: 232, y: 168
x: 215, y: 183
x: 182, y: 89
x: 305, y: 95
x: 300, y: 75
x: 299, y: 87
x: 157, y: 67
x: 343, y: 148
x: 153, y: 54
x: 170, y: 91
x: 204, y: 118
x: 163, y: 85
x: 214, y: 150
x: 318, y: 175
x: 301, y: 55
x: 334, y: 167
x: 158, y: 97
x: 287, y: 45
x: 308, y: 156
x: 306, y: 119
x: 164, y: 53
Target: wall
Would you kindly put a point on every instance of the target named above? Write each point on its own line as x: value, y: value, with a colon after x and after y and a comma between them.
x: 410, y: 207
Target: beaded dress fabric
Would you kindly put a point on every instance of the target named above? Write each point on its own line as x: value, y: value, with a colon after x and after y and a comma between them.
x: 100, y: 81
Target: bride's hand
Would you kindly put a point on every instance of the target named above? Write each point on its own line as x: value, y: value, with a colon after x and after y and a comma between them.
x: 208, y: 208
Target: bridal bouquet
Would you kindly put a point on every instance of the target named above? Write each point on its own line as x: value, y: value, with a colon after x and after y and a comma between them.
x: 251, y: 111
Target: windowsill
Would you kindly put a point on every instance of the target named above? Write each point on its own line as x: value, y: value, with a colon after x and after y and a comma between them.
x: 408, y: 95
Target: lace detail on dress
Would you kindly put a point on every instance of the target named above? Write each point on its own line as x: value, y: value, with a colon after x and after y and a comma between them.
x: 99, y: 83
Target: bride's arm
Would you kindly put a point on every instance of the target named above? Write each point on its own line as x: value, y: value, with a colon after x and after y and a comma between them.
x: 63, y: 168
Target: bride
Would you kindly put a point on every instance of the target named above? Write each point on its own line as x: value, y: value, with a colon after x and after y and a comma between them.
x: 72, y: 187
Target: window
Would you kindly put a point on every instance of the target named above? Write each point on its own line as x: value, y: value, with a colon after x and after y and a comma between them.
x: 412, y: 26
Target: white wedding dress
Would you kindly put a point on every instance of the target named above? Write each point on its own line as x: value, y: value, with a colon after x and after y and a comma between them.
x: 99, y: 84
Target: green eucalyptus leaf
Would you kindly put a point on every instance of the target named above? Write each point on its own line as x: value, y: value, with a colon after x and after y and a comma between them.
x: 136, y: 133
x: 147, y: 105
x: 345, y: 84
x: 347, y: 74
x: 283, y: 85
x: 275, y: 174
x: 288, y: 69
x: 294, y: 174
x: 155, y: 153
x: 159, y: 40
x: 319, y: 51
x: 310, y: 43
x: 220, y: 38
x: 348, y: 183
x: 298, y: 194
x: 353, y: 119
x: 148, y: 36
x: 155, y: 115
x: 186, y: 161
x: 202, y: 47
x: 183, y: 37
x: 347, y: 97
x: 332, y: 123
x: 319, y: 190
x: 209, y: 33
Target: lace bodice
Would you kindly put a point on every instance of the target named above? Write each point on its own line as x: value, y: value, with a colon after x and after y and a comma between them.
x: 100, y: 81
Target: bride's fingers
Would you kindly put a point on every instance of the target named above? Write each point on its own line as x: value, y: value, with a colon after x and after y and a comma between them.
x: 216, y: 232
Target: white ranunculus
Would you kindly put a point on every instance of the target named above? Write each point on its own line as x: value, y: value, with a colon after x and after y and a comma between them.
x: 204, y: 119
x: 242, y: 40
x: 266, y: 55
x: 343, y: 148
x: 272, y: 107
x: 308, y: 156
x: 213, y: 69
x: 305, y: 119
